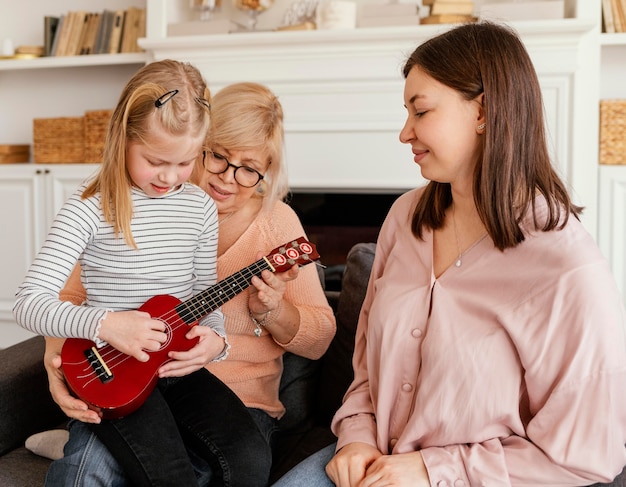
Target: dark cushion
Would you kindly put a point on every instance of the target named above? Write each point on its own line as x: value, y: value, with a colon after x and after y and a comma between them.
x: 336, y: 365
x: 25, y: 397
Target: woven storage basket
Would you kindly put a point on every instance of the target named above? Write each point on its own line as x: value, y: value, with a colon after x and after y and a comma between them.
x: 613, y: 132
x: 59, y: 140
x: 96, y: 126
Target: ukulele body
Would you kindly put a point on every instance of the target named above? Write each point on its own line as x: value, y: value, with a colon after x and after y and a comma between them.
x: 114, y: 382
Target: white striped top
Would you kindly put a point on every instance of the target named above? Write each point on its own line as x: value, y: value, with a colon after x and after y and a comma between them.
x: 176, y: 237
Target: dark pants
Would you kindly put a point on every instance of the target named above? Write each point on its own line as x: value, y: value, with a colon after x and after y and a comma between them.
x: 194, y: 416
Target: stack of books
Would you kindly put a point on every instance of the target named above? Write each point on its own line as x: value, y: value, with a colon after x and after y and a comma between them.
x: 387, y: 14
x: 613, y: 16
x: 449, y: 11
x: 107, y: 32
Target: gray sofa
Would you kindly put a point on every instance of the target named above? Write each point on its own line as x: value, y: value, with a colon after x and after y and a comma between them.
x: 310, y: 390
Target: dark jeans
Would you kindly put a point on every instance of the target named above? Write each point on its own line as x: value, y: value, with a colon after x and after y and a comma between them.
x: 194, y: 416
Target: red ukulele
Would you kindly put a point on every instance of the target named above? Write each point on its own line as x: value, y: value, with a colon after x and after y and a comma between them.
x: 117, y: 383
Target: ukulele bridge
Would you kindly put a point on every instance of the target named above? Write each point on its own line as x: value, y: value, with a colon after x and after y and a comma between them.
x: 97, y: 364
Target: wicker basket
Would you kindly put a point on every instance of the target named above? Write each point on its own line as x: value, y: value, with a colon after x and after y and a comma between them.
x: 12, y: 153
x: 96, y: 126
x: 59, y: 140
x: 613, y: 132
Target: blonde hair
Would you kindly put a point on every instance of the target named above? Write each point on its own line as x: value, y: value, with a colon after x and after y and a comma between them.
x: 248, y: 116
x: 185, y: 112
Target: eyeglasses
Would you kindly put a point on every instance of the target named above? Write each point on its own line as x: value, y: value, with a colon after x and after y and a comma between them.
x: 217, y: 164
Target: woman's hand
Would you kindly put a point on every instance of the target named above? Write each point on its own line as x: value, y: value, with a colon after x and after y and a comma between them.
x: 183, y: 363
x: 350, y: 464
x: 400, y: 469
x: 71, y: 406
x: 267, y: 292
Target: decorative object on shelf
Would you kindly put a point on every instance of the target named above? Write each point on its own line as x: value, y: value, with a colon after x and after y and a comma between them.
x: 300, y: 12
x: 522, y: 10
x: 12, y: 153
x: 96, y: 125
x: 388, y: 14
x: 254, y: 8
x: 206, y: 8
x: 35, y: 51
x: 612, y: 131
x: 71, y: 139
x: 336, y: 14
x: 59, y: 140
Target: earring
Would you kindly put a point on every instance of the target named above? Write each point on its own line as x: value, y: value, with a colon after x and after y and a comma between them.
x: 481, y: 126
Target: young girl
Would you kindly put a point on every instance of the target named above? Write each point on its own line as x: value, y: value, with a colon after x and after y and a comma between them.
x: 139, y: 229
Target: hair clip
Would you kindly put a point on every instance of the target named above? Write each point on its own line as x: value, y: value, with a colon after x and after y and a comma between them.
x: 164, y: 98
x: 204, y: 102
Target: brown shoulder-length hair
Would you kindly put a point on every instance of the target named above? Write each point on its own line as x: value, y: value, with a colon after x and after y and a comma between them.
x: 514, y: 166
x: 185, y: 111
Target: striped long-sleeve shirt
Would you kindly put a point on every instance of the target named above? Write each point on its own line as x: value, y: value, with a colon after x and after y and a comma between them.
x: 176, y: 237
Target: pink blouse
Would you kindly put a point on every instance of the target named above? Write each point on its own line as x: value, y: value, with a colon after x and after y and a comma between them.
x: 507, y: 370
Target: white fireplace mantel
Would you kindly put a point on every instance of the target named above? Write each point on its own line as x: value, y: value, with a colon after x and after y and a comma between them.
x: 342, y: 96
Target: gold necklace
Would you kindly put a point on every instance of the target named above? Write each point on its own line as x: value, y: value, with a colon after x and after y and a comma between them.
x: 459, y: 259
x: 225, y: 218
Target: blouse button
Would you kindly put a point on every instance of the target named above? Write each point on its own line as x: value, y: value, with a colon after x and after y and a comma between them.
x: 406, y: 387
x: 459, y: 483
x: 393, y: 442
x: 442, y: 483
x: 416, y: 333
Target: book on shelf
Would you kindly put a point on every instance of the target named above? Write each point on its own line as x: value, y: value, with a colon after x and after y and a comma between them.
x: 89, y: 36
x: 617, y: 20
x: 456, y: 8
x: 64, y: 34
x: 117, y: 28
x: 79, y: 25
x: 620, y: 11
x: 55, y: 39
x: 134, y: 28
x: 608, y: 25
x: 104, y: 32
x: 448, y: 19
x: 50, y: 23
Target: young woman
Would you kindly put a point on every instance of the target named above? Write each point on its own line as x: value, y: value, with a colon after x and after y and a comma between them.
x: 490, y: 348
x: 139, y: 229
x: 243, y: 170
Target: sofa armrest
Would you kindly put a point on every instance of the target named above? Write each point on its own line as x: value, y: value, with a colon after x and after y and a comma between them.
x: 26, y: 406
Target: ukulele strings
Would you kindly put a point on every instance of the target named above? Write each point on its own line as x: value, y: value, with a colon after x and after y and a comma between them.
x: 197, y: 306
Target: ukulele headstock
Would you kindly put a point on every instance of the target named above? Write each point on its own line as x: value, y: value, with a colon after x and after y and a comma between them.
x: 299, y: 251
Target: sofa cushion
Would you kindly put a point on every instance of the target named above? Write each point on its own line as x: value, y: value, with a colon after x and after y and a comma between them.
x: 25, y: 396
x: 22, y: 468
x: 336, y: 365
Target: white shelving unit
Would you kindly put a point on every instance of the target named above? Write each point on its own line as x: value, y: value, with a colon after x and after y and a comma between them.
x: 612, y: 179
x: 342, y: 96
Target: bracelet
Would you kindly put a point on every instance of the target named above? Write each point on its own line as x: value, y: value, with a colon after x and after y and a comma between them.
x: 265, y: 321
